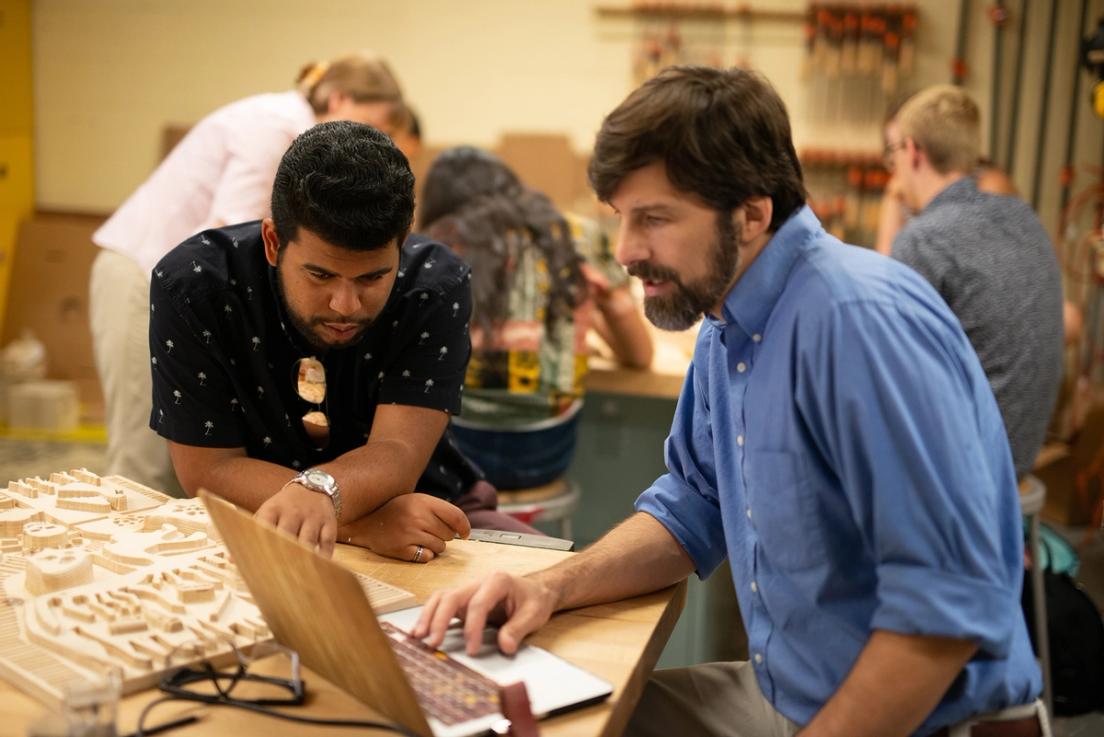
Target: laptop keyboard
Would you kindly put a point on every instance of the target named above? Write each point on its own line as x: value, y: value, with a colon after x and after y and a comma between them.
x: 448, y: 690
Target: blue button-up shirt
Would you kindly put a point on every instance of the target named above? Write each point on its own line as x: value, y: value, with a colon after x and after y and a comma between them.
x: 837, y: 440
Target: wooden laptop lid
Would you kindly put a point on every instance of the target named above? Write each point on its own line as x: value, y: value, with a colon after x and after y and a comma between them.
x: 318, y: 608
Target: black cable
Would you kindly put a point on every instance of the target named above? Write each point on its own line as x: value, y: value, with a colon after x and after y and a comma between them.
x: 1017, y: 87
x: 1044, y: 108
x: 998, y: 12
x: 270, y: 712
x: 175, y: 685
x: 140, y: 730
x: 1071, y: 129
x: 958, y: 65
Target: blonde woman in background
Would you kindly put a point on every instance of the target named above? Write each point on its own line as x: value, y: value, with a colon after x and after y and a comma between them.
x: 220, y: 173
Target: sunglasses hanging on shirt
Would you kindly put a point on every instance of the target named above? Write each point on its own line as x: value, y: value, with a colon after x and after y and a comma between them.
x: 310, y: 385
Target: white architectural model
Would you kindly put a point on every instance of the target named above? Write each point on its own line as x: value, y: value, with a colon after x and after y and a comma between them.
x: 104, y: 573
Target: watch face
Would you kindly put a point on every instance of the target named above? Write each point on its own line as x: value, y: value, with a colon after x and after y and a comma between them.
x: 319, y: 477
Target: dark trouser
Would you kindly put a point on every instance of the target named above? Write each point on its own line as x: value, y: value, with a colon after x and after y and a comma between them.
x: 724, y: 700
x: 519, y: 459
x: 1029, y: 720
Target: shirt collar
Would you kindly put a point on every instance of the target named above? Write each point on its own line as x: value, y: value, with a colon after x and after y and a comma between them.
x: 750, y: 302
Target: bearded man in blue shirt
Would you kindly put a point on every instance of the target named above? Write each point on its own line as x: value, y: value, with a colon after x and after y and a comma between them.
x: 836, y: 439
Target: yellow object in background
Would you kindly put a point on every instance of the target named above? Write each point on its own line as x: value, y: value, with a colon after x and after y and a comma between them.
x: 16, y: 162
x: 524, y: 372
x: 1098, y: 98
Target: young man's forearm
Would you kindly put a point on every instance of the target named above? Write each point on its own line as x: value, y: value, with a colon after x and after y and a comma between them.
x: 374, y: 474
x: 894, y: 685
x: 244, y: 481
x: 368, y: 476
x: 636, y: 557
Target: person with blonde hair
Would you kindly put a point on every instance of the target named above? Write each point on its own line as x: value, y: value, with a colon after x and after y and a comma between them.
x: 986, y: 254
x: 407, y: 131
x: 895, y: 211
x: 220, y: 173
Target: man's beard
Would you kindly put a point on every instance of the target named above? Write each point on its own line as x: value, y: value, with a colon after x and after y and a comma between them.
x: 305, y: 327
x: 681, y: 309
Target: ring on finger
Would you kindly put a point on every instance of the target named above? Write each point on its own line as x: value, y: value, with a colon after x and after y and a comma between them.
x: 418, y: 554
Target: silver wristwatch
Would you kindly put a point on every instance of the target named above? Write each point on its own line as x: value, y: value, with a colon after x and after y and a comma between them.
x: 318, y: 480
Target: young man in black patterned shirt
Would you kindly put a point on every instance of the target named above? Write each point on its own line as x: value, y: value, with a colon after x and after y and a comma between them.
x: 305, y: 366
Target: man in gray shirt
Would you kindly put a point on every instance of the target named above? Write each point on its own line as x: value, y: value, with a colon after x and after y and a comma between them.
x: 987, y: 255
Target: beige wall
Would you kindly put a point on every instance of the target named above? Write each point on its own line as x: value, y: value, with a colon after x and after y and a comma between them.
x: 109, y: 74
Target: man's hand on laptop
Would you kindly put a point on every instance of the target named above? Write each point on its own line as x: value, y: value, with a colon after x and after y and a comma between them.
x: 304, y: 514
x: 520, y: 604
x: 412, y: 527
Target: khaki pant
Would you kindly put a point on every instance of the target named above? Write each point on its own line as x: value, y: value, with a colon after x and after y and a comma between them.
x: 119, y: 307
x: 723, y: 699
x: 707, y: 700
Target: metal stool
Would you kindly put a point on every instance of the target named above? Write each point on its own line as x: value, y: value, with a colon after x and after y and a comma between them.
x: 555, y: 501
x: 1032, y: 496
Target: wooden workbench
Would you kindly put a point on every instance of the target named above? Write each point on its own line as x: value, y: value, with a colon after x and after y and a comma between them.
x: 619, y: 642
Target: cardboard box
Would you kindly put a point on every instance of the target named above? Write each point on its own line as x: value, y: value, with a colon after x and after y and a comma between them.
x: 171, y: 135
x: 48, y: 294
x: 547, y: 163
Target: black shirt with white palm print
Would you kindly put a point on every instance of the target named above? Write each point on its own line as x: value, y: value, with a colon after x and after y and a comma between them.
x: 224, y: 355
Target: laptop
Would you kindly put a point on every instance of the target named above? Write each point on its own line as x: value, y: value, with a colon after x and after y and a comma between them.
x: 319, y: 608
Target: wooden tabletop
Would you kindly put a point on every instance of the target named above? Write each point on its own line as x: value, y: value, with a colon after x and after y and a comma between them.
x: 619, y: 642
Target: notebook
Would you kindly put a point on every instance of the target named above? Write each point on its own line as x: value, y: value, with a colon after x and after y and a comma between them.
x: 319, y: 608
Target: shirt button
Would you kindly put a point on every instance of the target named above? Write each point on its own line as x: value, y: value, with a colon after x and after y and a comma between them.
x: 740, y: 440
x: 758, y: 658
x: 757, y: 338
x: 741, y: 367
x: 754, y: 588
x: 749, y: 512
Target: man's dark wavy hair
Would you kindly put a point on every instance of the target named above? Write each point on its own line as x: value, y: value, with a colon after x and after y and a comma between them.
x: 723, y: 135
x: 475, y: 203
x: 348, y: 184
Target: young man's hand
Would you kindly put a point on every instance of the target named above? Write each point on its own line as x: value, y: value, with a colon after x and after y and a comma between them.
x: 521, y: 605
x: 407, y: 522
x: 302, y: 513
